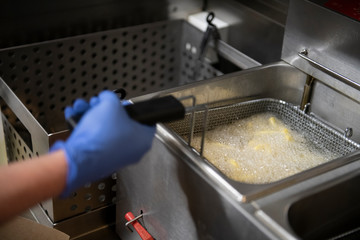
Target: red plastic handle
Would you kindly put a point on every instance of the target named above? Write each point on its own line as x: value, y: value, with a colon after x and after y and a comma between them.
x: 138, y: 227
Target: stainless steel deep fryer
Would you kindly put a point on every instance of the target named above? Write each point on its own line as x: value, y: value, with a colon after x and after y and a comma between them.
x: 315, y: 88
x: 198, y: 194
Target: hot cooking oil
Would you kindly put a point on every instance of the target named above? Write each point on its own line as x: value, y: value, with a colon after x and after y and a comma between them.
x: 260, y: 149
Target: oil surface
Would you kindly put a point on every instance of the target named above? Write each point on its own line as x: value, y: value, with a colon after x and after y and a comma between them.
x: 260, y: 149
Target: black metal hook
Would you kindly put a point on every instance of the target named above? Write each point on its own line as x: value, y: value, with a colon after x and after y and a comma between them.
x: 120, y: 91
x: 210, y: 17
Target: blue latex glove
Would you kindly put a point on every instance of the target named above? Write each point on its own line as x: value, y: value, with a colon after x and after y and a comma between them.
x: 104, y: 140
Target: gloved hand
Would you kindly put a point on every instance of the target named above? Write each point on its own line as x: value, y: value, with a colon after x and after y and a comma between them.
x: 104, y: 140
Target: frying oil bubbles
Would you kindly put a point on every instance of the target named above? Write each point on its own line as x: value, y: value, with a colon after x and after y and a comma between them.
x: 260, y: 149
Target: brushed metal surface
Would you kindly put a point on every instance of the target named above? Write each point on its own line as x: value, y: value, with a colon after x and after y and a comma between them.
x: 332, y: 42
x: 257, y: 31
x: 273, y: 210
x: 326, y: 219
x: 236, y: 57
x: 338, y: 110
x: 177, y: 202
x: 277, y: 80
x: 276, y: 10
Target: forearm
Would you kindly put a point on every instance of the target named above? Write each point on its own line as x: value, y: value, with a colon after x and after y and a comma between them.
x: 23, y: 184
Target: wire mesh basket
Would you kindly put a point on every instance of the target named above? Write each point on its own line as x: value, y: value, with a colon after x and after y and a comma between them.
x: 320, y: 135
x: 315, y: 131
x: 40, y: 80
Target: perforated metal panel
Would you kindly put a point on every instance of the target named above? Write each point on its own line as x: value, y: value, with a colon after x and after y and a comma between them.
x: 147, y: 58
x: 48, y: 76
x: 16, y: 148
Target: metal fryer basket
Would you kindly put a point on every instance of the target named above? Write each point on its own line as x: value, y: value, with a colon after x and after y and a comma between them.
x: 318, y: 133
x: 45, y: 77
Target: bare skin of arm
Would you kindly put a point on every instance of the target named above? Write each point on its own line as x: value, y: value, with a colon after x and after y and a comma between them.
x: 23, y: 184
